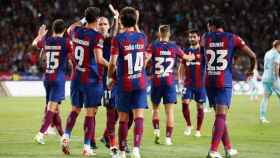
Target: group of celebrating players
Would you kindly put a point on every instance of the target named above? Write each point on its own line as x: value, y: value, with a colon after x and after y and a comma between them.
x: 114, y: 65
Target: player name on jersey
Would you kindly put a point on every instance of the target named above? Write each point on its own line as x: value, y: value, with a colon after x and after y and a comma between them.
x: 52, y: 47
x: 79, y: 41
x: 216, y: 44
x: 133, y: 47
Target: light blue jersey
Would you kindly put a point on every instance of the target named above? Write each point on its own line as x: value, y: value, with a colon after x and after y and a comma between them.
x: 271, y: 57
x: 270, y: 84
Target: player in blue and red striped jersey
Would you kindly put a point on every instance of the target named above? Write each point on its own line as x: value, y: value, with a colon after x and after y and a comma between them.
x: 86, y: 84
x: 56, y: 49
x: 128, y: 57
x: 163, y: 55
x: 193, y: 76
x: 108, y: 137
x: 220, y: 47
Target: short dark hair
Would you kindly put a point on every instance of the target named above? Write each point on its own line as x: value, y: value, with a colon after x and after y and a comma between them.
x: 92, y: 14
x: 193, y: 30
x: 128, y: 16
x: 58, y: 26
x: 216, y: 21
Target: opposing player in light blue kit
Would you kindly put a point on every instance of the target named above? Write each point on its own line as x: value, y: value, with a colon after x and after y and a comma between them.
x: 270, y: 78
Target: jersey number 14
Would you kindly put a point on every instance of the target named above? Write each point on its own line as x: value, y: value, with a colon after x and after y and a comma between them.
x: 137, y: 66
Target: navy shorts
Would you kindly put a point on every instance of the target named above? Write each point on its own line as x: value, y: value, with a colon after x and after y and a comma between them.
x: 86, y: 95
x: 127, y: 101
x: 219, y: 96
x: 198, y: 94
x: 109, y: 98
x: 167, y: 93
x: 55, y: 91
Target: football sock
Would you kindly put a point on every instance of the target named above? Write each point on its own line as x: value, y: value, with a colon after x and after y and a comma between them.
x: 138, y: 131
x: 57, y: 123
x: 93, y: 131
x: 111, y: 121
x: 47, y: 121
x: 200, y: 117
x: 218, y: 131
x: 88, y: 129
x: 263, y: 107
x: 123, y: 130
x: 169, y: 131
x: 186, y: 113
x: 156, y: 123
x: 225, y: 139
x: 71, y: 122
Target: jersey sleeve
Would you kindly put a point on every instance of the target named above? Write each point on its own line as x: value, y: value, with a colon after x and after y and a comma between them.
x: 99, y: 41
x: 70, y: 31
x: 202, y: 41
x: 179, y: 52
x: 150, y: 49
x: 277, y: 59
x: 238, y: 42
x: 40, y: 44
x: 69, y: 46
x: 114, y: 46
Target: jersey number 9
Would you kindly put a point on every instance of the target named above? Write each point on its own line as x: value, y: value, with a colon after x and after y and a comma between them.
x: 79, y: 55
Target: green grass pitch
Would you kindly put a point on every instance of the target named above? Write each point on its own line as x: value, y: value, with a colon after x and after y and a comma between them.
x: 20, y: 120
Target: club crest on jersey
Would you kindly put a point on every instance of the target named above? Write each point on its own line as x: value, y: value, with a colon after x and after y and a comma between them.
x: 100, y: 42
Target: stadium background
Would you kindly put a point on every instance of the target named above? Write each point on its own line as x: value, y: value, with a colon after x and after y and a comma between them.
x: 255, y: 21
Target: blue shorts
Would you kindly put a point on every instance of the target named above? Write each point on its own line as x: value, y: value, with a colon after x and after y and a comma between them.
x: 55, y: 91
x: 87, y: 95
x: 198, y: 94
x: 167, y: 93
x: 109, y: 98
x: 127, y: 101
x: 219, y: 96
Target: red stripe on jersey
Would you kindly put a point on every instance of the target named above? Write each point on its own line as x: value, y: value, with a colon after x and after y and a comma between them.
x: 155, y: 78
x: 74, y: 71
x: 221, y: 78
x: 208, y: 58
x: 169, y: 80
x: 127, y: 83
x: 86, y: 62
x: 188, y: 77
x: 142, y: 81
x: 100, y: 72
x: 197, y: 69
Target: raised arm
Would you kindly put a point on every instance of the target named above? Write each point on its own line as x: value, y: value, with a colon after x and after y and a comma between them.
x: 136, y: 27
x: 41, y: 34
x: 115, y: 25
x: 98, y: 51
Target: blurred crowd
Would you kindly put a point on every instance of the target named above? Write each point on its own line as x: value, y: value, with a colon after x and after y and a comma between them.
x: 257, y: 22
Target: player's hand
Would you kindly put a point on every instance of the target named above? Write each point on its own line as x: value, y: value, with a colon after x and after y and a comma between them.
x: 42, y: 30
x: 249, y: 73
x: 114, y: 11
x: 189, y: 57
x: 110, y: 83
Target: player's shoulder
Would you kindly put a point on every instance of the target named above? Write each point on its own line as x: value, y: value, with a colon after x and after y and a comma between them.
x: 142, y: 34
